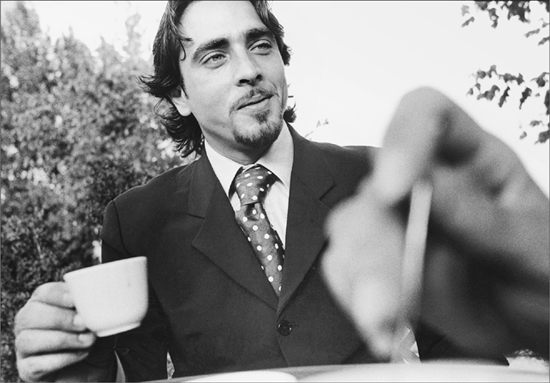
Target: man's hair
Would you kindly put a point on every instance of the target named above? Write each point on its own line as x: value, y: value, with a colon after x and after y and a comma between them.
x: 167, y: 80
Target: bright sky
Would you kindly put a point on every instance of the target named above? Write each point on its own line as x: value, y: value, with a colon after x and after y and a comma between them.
x: 353, y: 60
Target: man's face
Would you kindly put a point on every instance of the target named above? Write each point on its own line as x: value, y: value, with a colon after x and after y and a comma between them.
x: 234, y: 78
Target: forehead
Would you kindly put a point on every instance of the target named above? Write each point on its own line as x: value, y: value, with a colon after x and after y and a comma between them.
x: 207, y: 20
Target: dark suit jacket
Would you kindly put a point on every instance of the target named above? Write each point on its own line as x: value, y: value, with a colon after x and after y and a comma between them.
x: 211, y: 305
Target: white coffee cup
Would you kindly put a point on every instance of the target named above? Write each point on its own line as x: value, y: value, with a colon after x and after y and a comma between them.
x: 110, y: 297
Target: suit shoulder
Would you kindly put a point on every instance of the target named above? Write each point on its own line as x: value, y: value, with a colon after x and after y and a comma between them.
x: 346, y: 165
x: 157, y: 187
x: 355, y: 155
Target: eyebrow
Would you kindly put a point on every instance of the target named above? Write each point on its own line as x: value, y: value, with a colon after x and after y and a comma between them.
x: 222, y: 42
x: 258, y: 33
x: 210, y: 45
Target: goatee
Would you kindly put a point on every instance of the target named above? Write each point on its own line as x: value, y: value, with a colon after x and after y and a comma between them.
x: 267, y: 134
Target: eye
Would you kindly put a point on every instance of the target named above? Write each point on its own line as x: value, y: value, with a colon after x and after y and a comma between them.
x: 214, y: 59
x: 263, y: 46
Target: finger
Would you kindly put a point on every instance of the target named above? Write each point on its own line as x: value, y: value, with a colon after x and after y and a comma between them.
x: 54, y: 293
x: 33, y: 369
x: 31, y: 342
x: 459, y: 301
x: 499, y: 216
x: 375, y: 311
x: 362, y: 266
x: 483, y: 196
x: 358, y: 230
x: 527, y: 314
x: 425, y: 128
x: 38, y: 315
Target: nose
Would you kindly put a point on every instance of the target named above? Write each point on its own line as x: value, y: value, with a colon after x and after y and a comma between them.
x: 247, y: 71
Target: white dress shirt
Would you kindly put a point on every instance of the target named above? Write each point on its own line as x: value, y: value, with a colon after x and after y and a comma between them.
x: 278, y: 159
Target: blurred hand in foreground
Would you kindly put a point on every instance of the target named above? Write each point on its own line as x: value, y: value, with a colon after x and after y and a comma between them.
x: 486, y: 276
x: 51, y: 340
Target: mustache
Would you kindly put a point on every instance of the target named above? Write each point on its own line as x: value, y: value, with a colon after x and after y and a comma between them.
x: 254, y: 95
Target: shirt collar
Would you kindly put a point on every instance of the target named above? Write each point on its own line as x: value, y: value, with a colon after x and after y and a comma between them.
x: 278, y: 158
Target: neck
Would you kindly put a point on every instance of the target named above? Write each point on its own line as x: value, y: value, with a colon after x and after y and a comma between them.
x: 241, y: 155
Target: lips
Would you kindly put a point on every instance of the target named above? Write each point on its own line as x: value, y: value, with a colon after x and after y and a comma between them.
x: 254, y: 100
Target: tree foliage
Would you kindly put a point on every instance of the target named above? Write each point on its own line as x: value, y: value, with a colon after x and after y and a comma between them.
x: 76, y: 131
x: 500, y: 86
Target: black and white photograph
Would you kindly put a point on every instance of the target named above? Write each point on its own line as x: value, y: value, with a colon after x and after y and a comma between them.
x: 268, y: 190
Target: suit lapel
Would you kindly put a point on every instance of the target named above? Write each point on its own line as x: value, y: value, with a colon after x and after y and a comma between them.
x: 220, y: 238
x: 306, y: 215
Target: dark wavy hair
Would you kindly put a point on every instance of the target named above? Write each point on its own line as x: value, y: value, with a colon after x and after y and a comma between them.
x: 167, y: 79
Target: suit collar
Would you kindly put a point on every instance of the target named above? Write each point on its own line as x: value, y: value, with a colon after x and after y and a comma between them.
x: 309, y: 166
x: 203, y: 183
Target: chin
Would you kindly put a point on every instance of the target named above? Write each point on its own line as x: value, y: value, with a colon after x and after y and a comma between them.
x: 263, y: 134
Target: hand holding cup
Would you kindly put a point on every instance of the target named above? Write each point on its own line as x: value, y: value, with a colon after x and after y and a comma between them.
x: 53, y: 339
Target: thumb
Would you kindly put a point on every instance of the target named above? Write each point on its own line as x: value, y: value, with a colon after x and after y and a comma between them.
x: 426, y: 127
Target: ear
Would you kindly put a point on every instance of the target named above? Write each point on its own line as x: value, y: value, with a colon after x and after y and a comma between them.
x: 181, y: 103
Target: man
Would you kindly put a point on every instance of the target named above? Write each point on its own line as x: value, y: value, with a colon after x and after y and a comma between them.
x: 213, y: 304
x: 221, y: 66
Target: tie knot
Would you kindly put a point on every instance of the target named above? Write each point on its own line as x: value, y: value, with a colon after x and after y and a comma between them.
x: 252, y: 185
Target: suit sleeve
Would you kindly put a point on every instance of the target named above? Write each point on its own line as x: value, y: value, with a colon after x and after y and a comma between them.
x: 112, y: 246
x: 142, y: 351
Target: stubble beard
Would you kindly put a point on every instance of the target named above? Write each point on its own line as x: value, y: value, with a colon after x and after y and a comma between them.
x: 267, y: 133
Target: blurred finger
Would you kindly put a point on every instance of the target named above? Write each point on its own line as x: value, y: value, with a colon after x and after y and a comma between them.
x: 426, y: 127
x: 458, y: 301
x: 375, y: 310
x: 33, y: 369
x: 494, y: 211
x: 31, y: 342
x: 362, y: 266
x: 357, y: 243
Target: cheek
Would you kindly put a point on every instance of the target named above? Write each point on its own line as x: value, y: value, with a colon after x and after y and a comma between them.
x: 204, y: 91
x: 285, y: 92
x: 281, y: 83
x: 274, y: 71
x: 207, y: 101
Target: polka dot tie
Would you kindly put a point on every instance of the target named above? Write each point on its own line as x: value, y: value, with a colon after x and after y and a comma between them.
x: 251, y: 186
